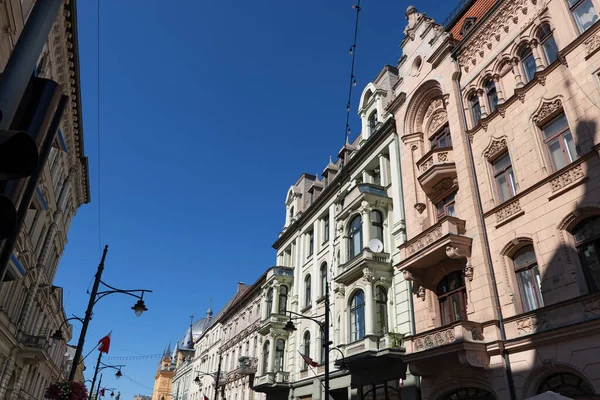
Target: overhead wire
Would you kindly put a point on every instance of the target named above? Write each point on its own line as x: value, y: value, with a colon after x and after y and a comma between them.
x: 352, y: 77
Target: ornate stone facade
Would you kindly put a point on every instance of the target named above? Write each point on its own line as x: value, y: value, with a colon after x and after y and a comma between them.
x: 31, y: 308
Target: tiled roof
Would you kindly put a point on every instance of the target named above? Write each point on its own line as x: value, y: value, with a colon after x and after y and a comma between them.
x: 477, y: 10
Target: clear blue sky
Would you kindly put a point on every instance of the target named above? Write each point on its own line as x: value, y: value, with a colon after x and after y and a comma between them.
x: 209, y: 111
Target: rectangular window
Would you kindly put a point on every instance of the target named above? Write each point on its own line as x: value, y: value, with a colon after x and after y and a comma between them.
x: 326, y: 229
x: 584, y: 13
x: 443, y: 139
x: 475, y: 109
x: 311, y: 243
x: 446, y: 206
x: 559, y: 142
x: 504, y: 177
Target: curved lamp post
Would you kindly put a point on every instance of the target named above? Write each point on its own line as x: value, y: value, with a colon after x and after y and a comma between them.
x: 324, y: 325
x: 58, y: 334
x: 216, y: 376
x: 139, y: 307
x: 101, y: 366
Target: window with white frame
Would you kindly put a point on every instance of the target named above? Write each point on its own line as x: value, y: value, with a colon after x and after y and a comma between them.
x: 323, y: 277
x: 527, y: 63
x: 355, y: 237
x: 381, y: 311
x: 528, y: 278
x: 357, y: 316
x: 283, y: 296
x: 306, y: 347
x: 559, y: 142
x: 377, y: 225
x: 504, y: 177
x: 311, y: 242
x: 475, y: 108
x: 279, y: 355
x: 307, y: 291
x: 326, y: 229
x: 492, y: 95
x: 373, y: 122
x: 546, y: 39
x: 584, y: 13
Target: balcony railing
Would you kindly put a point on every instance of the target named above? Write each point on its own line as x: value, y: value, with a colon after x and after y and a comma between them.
x: 353, y: 269
x: 31, y: 341
x: 272, y: 378
x: 272, y: 321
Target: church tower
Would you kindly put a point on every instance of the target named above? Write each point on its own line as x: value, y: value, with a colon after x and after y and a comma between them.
x: 164, y: 375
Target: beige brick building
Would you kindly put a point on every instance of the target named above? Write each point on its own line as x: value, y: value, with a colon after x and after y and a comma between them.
x: 499, y: 117
x: 31, y: 307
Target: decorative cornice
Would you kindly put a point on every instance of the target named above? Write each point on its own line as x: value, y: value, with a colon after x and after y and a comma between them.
x: 495, y: 148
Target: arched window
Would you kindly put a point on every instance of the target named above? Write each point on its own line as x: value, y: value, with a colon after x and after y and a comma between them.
x: 373, y: 122
x: 584, y: 13
x: 565, y: 384
x: 269, y: 301
x: 279, y: 355
x: 527, y: 62
x: 306, y: 347
x: 377, y: 223
x: 587, y: 241
x: 492, y: 95
x: 546, y: 39
x: 323, y: 273
x: 283, y: 294
x: 357, y: 316
x: 265, y: 363
x: 307, y: 291
x: 452, y: 296
x: 528, y: 277
x: 475, y: 108
x: 469, y: 394
x: 355, y: 236
x: 382, y: 314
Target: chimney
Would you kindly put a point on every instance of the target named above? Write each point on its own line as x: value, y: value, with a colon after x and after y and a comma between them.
x: 241, y: 285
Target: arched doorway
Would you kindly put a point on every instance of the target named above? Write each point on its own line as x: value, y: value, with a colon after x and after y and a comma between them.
x: 565, y: 384
x: 469, y: 394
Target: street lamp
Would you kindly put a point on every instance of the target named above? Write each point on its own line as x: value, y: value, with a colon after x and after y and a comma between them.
x: 139, y: 307
x: 324, y: 325
x: 216, y: 377
x: 58, y: 336
x: 99, y: 367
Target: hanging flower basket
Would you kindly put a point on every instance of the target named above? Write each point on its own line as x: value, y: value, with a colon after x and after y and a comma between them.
x: 66, y: 391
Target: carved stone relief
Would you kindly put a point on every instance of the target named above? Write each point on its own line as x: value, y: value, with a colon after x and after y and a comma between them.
x: 495, y: 148
x: 508, y: 211
x: 566, y: 178
x: 532, y: 324
x: 546, y: 109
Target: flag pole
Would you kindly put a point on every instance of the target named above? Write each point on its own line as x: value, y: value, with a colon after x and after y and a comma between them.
x: 95, y: 374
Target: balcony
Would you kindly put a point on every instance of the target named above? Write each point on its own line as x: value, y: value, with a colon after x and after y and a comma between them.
x: 362, y: 192
x: 274, y: 322
x: 33, y: 347
x: 273, y: 383
x: 375, y: 358
x: 437, y: 171
x: 431, y: 255
x: 378, y: 263
x: 247, y: 366
x: 455, y: 346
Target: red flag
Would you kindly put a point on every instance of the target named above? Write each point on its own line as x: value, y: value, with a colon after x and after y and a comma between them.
x: 308, y: 360
x: 205, y: 397
x: 102, y: 392
x: 104, y: 343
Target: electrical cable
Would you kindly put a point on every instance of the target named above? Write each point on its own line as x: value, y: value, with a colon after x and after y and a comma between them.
x: 352, y: 77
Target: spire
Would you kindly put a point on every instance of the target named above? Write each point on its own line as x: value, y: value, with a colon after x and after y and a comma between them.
x: 209, y: 312
x: 174, y: 355
x: 167, y: 352
x: 188, y: 340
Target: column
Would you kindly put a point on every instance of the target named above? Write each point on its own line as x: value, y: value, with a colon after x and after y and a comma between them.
x: 271, y: 354
x: 264, y: 310
x: 364, y: 126
x: 482, y: 103
x: 517, y: 72
x: 365, y: 211
x: 379, y: 105
x: 537, y: 55
x: 369, y: 309
x: 499, y: 89
x: 383, y: 170
x: 275, y: 298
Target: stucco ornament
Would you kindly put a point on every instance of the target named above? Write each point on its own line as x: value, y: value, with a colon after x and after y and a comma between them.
x: 546, y: 109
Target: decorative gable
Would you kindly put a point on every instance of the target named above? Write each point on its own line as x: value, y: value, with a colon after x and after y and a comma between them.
x: 467, y: 25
